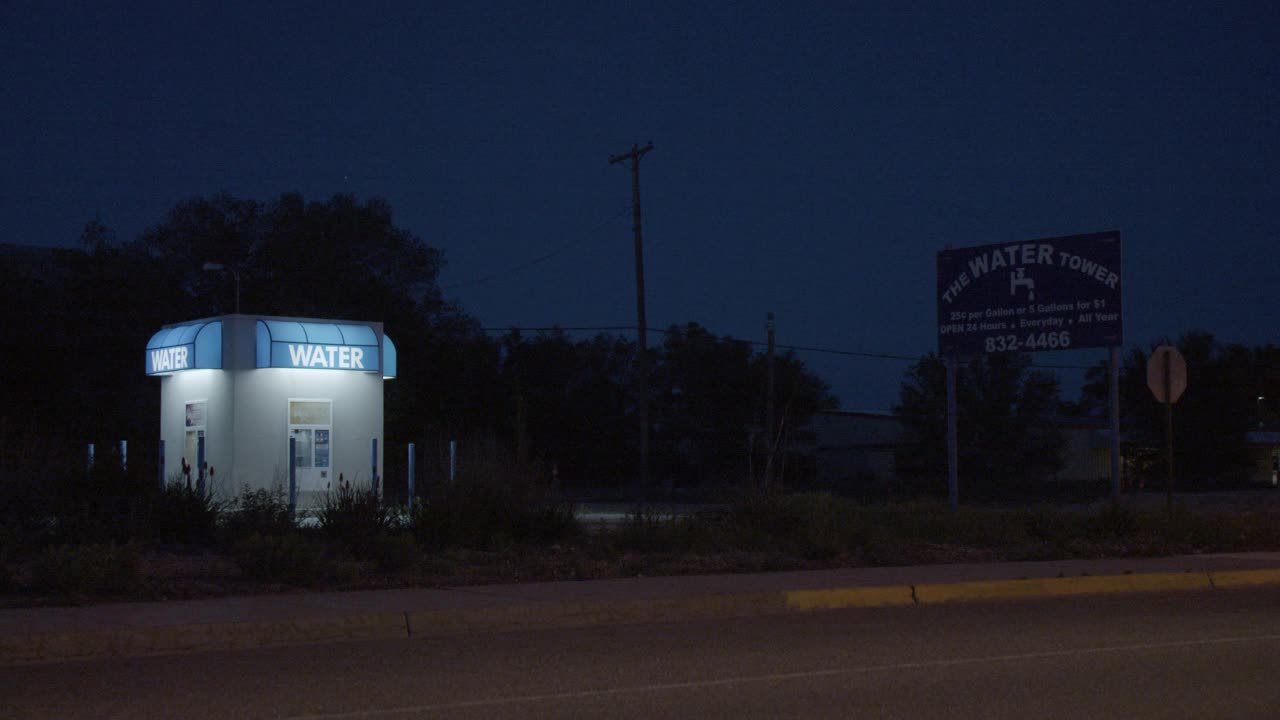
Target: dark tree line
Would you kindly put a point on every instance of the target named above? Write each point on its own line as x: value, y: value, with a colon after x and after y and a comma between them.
x: 1009, y: 414
x: 1212, y: 419
x: 77, y: 321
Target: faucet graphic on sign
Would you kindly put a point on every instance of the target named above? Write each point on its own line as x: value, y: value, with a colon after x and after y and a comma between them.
x: 1017, y: 278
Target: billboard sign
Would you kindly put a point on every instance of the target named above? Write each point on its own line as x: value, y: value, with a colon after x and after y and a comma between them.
x: 1051, y: 294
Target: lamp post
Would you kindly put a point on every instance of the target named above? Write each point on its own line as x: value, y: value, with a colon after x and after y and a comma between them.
x: 213, y: 266
x: 1260, y: 398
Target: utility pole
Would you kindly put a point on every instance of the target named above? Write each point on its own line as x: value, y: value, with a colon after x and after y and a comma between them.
x: 770, y: 428
x: 642, y: 358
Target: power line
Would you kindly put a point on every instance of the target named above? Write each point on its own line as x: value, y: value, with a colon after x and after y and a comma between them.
x: 757, y: 343
x: 559, y: 328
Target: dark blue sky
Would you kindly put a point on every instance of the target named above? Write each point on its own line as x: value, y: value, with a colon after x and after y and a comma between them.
x: 810, y: 159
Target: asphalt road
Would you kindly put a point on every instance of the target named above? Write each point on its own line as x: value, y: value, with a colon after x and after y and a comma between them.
x: 1187, y: 655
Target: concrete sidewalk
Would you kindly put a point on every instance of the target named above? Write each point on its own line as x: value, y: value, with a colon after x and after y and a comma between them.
x: 155, y: 628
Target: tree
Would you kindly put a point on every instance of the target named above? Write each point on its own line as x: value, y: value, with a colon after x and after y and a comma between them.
x: 710, y: 404
x: 1008, y: 441
x: 569, y: 405
x: 343, y: 259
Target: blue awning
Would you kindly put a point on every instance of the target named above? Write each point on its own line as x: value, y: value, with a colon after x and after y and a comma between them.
x: 322, y: 346
x: 388, y: 358
x: 190, y: 346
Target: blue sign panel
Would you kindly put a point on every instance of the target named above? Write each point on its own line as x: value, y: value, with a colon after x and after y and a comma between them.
x: 1051, y: 294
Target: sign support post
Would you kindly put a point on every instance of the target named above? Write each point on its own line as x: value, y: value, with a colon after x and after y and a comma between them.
x: 1113, y: 390
x: 953, y: 450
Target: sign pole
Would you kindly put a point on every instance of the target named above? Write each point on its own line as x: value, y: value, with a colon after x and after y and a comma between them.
x: 411, y: 488
x: 1167, y: 378
x: 1113, y: 370
x: 953, y: 469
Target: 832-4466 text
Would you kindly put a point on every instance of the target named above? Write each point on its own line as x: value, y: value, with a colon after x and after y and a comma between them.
x: 1034, y: 341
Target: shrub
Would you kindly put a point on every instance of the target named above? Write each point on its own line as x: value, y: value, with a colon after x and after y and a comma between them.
x: 485, y: 514
x: 354, y: 517
x: 182, y: 514
x: 825, y: 526
x: 645, y: 530
x: 548, y: 524
x: 473, y: 514
x: 292, y: 558
x: 762, y: 521
x: 1183, y: 531
x: 87, y: 570
x: 1116, y: 522
x: 25, y: 519
x: 260, y: 511
x: 395, y: 552
x: 107, y: 504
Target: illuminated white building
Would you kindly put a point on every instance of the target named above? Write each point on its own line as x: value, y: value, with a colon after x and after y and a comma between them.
x: 237, y: 388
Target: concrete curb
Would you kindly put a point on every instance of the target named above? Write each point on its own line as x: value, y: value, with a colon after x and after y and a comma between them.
x: 197, y: 637
x: 34, y: 648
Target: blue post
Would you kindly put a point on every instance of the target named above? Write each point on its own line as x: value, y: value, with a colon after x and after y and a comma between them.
x: 373, y: 462
x: 410, y: 478
x: 293, y: 477
x: 200, y: 465
x: 90, y: 465
x: 124, y: 454
x: 453, y: 460
x: 160, y: 464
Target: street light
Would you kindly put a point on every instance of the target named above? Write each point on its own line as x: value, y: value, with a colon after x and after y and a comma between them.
x: 1260, y: 398
x: 236, y: 273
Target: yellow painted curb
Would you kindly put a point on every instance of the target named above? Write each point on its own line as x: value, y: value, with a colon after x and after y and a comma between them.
x: 1244, y: 578
x: 1053, y: 587
x: 886, y: 596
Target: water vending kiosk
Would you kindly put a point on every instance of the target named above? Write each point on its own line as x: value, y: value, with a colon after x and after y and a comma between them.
x: 235, y: 389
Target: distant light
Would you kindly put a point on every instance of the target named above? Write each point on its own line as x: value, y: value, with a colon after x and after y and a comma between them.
x: 214, y: 266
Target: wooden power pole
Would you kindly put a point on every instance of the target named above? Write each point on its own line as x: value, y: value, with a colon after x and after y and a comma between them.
x: 770, y: 427
x: 642, y: 356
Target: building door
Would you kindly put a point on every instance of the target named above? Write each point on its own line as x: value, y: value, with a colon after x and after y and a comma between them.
x: 311, y: 428
x: 194, y: 451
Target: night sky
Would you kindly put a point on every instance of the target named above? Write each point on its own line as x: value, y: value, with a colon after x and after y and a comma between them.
x: 810, y: 159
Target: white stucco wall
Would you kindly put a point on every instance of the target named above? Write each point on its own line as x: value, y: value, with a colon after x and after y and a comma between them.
x: 178, y: 389
x: 262, y: 423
